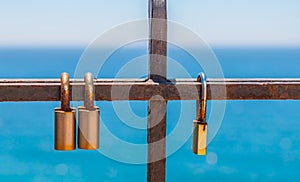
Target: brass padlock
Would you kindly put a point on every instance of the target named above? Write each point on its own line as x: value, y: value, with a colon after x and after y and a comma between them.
x: 200, y: 125
x: 199, y: 137
x: 65, y: 119
x: 89, y: 118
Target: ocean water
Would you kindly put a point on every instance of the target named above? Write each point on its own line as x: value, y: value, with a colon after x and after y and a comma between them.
x: 257, y: 140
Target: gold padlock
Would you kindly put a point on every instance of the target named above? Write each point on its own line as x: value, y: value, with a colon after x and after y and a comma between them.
x: 89, y: 118
x: 200, y: 126
x: 65, y: 119
x: 199, y: 137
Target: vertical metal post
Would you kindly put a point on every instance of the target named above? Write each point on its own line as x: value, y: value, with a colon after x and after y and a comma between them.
x: 157, y: 108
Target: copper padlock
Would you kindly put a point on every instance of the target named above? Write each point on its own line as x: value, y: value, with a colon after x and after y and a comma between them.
x: 200, y: 125
x: 88, y: 117
x: 65, y: 119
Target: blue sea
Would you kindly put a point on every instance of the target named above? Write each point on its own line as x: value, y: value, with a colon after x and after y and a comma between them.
x: 256, y: 141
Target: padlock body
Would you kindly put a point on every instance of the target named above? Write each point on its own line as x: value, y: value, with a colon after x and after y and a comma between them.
x: 199, y: 137
x: 65, y: 129
x: 88, y: 128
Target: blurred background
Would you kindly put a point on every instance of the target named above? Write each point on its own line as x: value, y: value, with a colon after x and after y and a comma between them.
x: 257, y: 141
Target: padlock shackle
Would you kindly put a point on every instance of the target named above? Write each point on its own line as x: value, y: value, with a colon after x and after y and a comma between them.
x: 89, y: 90
x: 65, y: 91
x: 202, y: 97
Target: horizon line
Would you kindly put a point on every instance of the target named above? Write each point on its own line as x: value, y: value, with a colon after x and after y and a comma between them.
x: 78, y: 46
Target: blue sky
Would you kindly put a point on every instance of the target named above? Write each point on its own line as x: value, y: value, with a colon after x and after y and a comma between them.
x: 219, y: 22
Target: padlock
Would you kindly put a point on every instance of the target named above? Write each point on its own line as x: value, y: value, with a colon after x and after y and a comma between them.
x: 199, y: 137
x: 88, y: 118
x: 65, y: 119
x: 200, y: 126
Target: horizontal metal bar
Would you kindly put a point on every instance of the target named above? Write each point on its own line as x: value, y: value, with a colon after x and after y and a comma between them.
x: 142, y: 89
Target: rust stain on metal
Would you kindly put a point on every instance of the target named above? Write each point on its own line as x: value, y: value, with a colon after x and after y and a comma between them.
x: 108, y: 90
x: 89, y: 91
x: 157, y: 91
x: 65, y: 92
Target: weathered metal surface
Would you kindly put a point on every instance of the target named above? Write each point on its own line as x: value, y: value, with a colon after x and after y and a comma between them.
x: 65, y: 119
x: 200, y: 125
x: 15, y: 90
x: 65, y: 92
x: 89, y: 91
x: 202, y: 98
x: 88, y: 117
x: 157, y: 107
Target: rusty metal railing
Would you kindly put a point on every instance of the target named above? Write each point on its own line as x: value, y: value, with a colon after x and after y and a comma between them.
x: 18, y: 90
